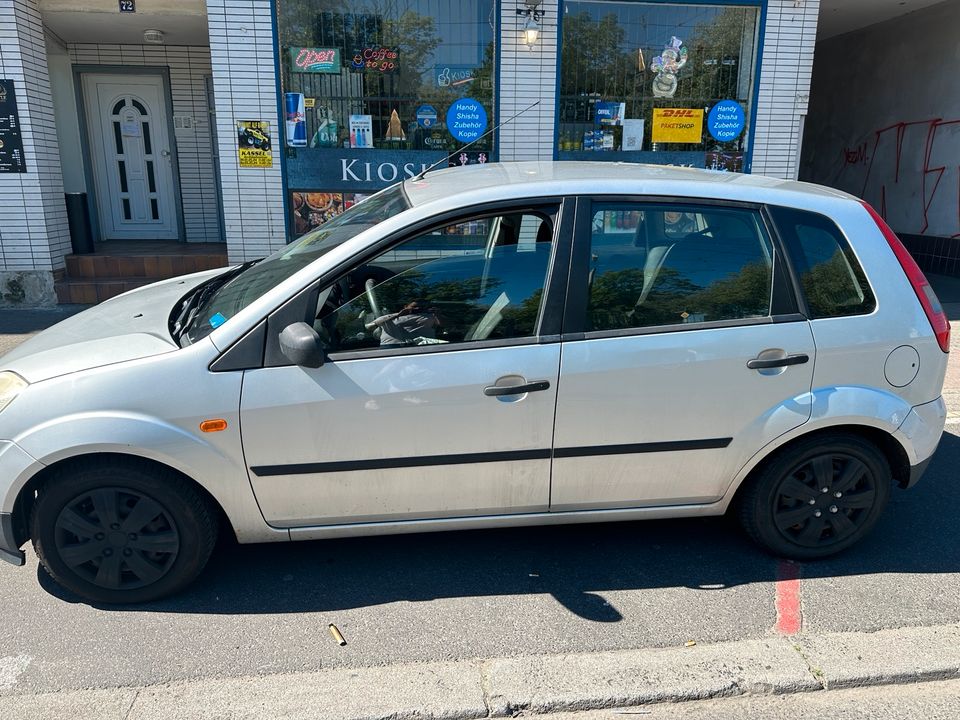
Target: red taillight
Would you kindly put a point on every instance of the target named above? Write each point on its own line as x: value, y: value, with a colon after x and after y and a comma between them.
x: 928, y: 298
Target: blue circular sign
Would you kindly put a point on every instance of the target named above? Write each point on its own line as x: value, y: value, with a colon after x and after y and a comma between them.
x: 426, y: 116
x: 726, y: 120
x: 466, y: 120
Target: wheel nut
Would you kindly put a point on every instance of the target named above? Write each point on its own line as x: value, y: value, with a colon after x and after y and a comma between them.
x: 812, y: 501
x: 99, y: 536
x: 132, y: 536
x: 116, y: 526
x: 108, y: 552
x: 817, y: 513
x: 824, y: 490
x: 838, y: 495
x: 833, y: 508
x: 127, y: 552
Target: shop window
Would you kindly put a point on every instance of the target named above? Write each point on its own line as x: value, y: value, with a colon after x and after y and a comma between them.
x: 367, y: 89
x: 657, y: 82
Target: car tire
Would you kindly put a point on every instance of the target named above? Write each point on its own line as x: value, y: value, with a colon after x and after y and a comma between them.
x: 817, y: 497
x: 122, y: 532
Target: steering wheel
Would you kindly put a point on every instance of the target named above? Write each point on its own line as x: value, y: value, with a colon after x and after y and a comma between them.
x: 373, y: 276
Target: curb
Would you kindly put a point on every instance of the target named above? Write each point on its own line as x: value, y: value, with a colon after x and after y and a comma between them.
x: 505, y: 687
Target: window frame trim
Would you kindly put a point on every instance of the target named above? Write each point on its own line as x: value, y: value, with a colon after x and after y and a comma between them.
x: 783, y: 297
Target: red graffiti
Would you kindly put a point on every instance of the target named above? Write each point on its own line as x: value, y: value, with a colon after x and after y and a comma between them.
x: 857, y: 155
x: 930, y: 174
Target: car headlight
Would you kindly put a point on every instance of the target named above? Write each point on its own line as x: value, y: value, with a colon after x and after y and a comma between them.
x: 10, y: 386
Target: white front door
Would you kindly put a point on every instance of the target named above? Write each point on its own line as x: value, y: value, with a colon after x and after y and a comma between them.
x: 131, y: 156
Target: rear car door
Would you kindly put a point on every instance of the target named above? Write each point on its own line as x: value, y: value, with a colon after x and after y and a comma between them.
x: 438, y: 393
x: 683, y: 353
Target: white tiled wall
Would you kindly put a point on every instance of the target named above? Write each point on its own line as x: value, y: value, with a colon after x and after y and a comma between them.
x: 189, y: 66
x: 245, y: 86
x: 527, y: 75
x: 787, y: 63
x: 33, y: 216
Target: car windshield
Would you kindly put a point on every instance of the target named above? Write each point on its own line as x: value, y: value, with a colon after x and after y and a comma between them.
x: 257, y: 279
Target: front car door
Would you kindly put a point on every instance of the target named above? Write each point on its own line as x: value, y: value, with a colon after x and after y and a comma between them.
x: 438, y: 394
x: 668, y: 303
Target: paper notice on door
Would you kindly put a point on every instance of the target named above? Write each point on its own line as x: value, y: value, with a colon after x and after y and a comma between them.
x: 130, y: 128
x: 632, y: 134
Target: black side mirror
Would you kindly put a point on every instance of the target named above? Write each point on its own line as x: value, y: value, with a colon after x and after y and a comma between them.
x: 301, y: 344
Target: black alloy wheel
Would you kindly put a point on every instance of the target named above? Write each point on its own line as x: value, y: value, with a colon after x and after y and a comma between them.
x: 122, y: 531
x: 817, y: 497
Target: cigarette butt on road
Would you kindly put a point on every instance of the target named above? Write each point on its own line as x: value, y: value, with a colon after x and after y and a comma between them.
x: 689, y: 643
x: 341, y: 641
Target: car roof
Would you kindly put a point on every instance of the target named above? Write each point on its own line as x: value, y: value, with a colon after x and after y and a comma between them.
x: 535, y: 179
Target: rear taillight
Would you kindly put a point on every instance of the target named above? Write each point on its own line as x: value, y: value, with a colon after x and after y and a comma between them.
x: 928, y: 298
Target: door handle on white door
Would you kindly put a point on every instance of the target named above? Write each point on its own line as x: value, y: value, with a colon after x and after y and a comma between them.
x: 765, y: 363
x: 499, y: 390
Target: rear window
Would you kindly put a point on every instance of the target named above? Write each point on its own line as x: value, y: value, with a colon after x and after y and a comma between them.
x: 830, y: 276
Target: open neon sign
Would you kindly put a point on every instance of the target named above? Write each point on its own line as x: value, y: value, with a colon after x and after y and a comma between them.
x: 315, y: 60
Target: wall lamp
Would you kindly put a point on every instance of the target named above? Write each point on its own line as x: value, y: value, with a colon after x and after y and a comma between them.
x: 531, y: 28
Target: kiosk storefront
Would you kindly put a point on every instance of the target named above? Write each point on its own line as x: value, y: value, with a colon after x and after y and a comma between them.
x: 658, y: 82
x: 374, y: 92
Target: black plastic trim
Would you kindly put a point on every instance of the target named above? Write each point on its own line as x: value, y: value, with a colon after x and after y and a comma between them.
x: 471, y: 458
x: 681, y: 327
x: 634, y: 448
x: 786, y: 262
x: 246, y: 353
x: 401, y: 462
x: 9, y: 550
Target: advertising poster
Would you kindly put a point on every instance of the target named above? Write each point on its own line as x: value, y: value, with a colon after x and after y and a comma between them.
x: 609, y: 113
x: 313, y: 209
x: 253, y: 144
x: 726, y: 120
x: 466, y: 120
x: 11, y: 144
x: 361, y: 131
x: 677, y: 125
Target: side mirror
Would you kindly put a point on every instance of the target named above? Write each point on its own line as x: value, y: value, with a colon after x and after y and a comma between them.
x: 301, y: 344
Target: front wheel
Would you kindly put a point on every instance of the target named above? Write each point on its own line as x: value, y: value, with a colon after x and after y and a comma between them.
x: 817, y: 497
x: 122, y: 532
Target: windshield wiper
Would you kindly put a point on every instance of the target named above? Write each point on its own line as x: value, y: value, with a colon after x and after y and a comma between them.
x: 198, y: 298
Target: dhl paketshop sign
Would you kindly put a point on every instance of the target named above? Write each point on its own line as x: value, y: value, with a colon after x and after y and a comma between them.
x: 677, y: 125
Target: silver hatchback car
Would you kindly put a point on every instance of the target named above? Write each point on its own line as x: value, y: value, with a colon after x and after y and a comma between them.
x: 512, y: 344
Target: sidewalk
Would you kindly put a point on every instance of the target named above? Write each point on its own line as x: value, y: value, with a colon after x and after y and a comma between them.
x: 507, y: 687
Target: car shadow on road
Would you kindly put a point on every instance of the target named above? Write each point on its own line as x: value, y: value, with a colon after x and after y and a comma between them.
x: 574, y: 564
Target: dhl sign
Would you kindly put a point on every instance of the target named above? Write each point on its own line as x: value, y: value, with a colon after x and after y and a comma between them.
x: 677, y: 125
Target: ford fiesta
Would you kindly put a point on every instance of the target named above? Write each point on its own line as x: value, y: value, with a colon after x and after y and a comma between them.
x: 497, y: 345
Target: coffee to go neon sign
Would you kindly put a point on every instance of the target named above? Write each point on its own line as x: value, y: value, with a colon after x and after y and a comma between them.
x: 381, y: 59
x: 315, y: 60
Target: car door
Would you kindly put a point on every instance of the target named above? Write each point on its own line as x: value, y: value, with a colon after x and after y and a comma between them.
x: 438, y: 391
x: 683, y: 353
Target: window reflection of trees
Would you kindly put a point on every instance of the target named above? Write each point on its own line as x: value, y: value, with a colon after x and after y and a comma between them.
x: 615, y: 298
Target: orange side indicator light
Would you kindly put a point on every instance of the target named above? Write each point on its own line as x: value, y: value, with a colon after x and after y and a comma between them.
x: 213, y: 425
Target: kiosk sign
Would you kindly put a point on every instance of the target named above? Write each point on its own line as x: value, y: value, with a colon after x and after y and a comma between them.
x: 726, y: 120
x: 466, y: 120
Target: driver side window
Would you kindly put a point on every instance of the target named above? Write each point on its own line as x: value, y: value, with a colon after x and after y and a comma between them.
x: 479, y: 279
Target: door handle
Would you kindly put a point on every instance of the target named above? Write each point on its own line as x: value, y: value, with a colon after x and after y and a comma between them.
x: 757, y: 364
x: 498, y: 390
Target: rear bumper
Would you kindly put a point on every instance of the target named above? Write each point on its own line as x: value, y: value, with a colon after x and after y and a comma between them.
x: 920, y: 434
x: 9, y: 550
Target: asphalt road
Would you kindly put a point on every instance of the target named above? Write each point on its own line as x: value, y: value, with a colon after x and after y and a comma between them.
x: 495, y: 593
x: 265, y: 609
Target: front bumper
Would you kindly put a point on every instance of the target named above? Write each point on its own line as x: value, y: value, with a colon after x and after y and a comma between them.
x: 9, y: 550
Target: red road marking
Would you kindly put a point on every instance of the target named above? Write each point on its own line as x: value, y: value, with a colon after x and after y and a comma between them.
x: 789, y: 618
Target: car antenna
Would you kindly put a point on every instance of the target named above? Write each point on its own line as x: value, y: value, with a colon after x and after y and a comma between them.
x: 478, y: 139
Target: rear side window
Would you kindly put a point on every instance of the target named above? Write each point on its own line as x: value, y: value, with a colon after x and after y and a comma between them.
x: 654, y: 264
x: 832, y: 279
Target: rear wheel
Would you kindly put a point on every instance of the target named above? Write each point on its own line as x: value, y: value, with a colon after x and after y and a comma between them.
x: 122, y: 532
x: 817, y: 497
